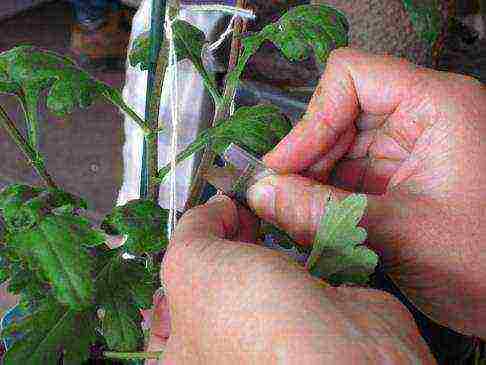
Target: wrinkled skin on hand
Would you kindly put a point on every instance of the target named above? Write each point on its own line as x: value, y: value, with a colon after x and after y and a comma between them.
x: 234, y: 302
x: 413, y: 139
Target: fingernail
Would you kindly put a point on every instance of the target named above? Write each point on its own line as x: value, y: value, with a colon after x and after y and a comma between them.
x: 218, y: 198
x: 261, y: 197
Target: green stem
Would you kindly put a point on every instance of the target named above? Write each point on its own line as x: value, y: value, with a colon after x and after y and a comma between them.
x: 149, y: 156
x: 209, y: 84
x: 132, y: 355
x: 30, y: 154
x: 152, y: 138
x: 222, y: 112
x: 29, y: 107
x: 116, y: 99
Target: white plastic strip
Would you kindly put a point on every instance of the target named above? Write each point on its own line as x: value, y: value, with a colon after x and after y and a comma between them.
x: 242, y: 13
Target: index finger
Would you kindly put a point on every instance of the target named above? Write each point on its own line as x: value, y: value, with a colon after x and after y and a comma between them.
x: 353, y: 82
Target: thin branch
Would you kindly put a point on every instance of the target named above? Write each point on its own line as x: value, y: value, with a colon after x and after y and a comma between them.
x: 30, y: 154
x: 132, y: 355
x: 153, y: 92
x: 222, y: 112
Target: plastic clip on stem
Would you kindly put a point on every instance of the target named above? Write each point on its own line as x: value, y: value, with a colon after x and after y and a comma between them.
x: 241, y: 171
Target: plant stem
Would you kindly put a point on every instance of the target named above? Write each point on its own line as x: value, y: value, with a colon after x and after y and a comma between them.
x: 150, y: 145
x: 132, y: 355
x: 31, y: 120
x: 222, y: 112
x: 30, y: 154
x: 114, y: 97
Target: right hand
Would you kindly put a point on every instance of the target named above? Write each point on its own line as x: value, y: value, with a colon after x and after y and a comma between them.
x: 414, y: 140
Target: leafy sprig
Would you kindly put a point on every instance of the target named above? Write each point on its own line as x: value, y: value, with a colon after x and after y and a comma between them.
x: 338, y: 254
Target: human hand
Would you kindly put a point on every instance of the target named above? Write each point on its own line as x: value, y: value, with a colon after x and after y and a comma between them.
x: 233, y: 302
x: 411, y: 138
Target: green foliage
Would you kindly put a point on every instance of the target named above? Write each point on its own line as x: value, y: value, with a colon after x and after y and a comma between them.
x: 140, y: 52
x: 188, y: 41
x: 425, y: 17
x: 27, y: 71
x: 257, y: 129
x: 145, y: 224
x: 338, y: 255
x: 49, y: 244
x: 32, y: 70
x: 50, y: 333
x: 124, y: 287
x: 303, y: 29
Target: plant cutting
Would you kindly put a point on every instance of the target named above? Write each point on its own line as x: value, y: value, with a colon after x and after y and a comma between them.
x: 83, y: 298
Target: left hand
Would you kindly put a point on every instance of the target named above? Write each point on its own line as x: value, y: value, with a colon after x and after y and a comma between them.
x: 232, y: 302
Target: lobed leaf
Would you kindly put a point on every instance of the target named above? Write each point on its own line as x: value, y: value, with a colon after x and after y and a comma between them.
x: 258, y: 129
x: 27, y: 71
x: 189, y: 42
x: 140, y: 52
x: 52, y: 333
x: 124, y: 287
x: 23, y: 206
x: 338, y: 254
x: 60, y: 253
x: 121, y: 326
x: 33, y: 70
x: 302, y: 30
x: 48, y: 243
x: 143, y: 222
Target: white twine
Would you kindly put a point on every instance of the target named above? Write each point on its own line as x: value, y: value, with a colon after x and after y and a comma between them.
x: 174, y: 99
x: 229, y: 29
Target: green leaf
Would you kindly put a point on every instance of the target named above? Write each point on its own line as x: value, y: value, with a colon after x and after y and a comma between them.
x: 121, y: 326
x: 338, y: 254
x: 302, y: 30
x: 145, y: 224
x: 27, y: 283
x: 34, y: 70
x: 45, y: 237
x: 50, y: 333
x: 57, y: 249
x: 27, y: 71
x: 425, y: 17
x: 188, y: 41
x: 140, y: 52
x: 23, y: 206
x: 258, y: 129
x: 124, y: 287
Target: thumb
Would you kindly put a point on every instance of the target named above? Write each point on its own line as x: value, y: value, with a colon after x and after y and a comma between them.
x: 296, y: 204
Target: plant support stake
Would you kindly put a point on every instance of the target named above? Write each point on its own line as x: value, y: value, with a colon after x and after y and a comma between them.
x: 148, y: 188
x: 222, y: 112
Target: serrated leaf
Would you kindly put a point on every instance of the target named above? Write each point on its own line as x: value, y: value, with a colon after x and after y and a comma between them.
x: 258, y: 129
x: 23, y: 206
x: 124, y: 288
x: 188, y: 42
x: 140, y: 52
x: 55, y: 248
x: 425, y: 17
x: 338, y: 255
x: 30, y: 285
x: 50, y: 333
x: 122, y: 326
x: 45, y: 239
x: 34, y: 70
x: 307, y: 28
x: 145, y: 224
x: 27, y: 71
x: 302, y: 30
